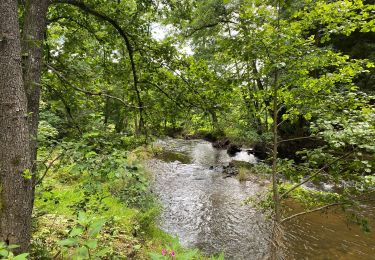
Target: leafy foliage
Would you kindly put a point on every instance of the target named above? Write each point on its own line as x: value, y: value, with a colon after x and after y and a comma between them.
x: 113, y: 82
x: 82, y: 239
x: 6, y: 252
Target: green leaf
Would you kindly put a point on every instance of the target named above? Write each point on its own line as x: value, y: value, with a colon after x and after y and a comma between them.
x: 82, y: 218
x: 92, y: 243
x: 189, y: 255
x: 102, y: 252
x: 95, y: 227
x: 21, y: 256
x: 76, y: 232
x: 155, y: 256
x: 67, y: 242
x: 90, y: 154
x: 4, y: 252
x: 82, y: 252
x: 27, y: 174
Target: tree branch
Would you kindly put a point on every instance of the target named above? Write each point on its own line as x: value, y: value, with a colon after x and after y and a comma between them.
x: 315, y: 174
x: 90, y: 93
x: 162, y: 91
x: 48, y: 167
x: 81, y: 25
x: 81, y: 5
x: 324, y: 207
x: 205, y: 26
x: 67, y: 107
x: 313, y: 210
x: 297, y: 138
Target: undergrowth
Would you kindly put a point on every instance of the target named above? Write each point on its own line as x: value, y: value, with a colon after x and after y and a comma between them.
x: 93, y: 201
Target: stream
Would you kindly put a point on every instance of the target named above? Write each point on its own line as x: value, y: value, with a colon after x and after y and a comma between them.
x: 204, y: 209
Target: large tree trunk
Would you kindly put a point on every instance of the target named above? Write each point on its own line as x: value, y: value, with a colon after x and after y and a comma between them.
x: 32, y: 44
x: 16, y: 188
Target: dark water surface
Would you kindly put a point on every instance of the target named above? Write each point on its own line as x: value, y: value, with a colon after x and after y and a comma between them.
x: 204, y: 210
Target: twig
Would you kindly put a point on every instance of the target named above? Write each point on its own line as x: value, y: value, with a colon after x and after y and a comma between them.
x: 56, y: 255
x: 297, y: 138
x: 206, y: 26
x: 47, y: 169
x: 281, y: 122
x: 315, y: 174
x: 313, y: 210
x: 323, y: 207
x: 162, y: 91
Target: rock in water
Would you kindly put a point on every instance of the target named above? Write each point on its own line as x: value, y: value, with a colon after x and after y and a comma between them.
x: 233, y: 149
x: 221, y: 144
x: 230, y: 169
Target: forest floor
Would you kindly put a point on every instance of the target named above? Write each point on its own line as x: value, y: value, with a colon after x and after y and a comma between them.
x: 78, y: 216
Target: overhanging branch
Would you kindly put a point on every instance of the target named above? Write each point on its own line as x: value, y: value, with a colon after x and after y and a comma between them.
x: 313, y: 210
x: 312, y: 176
x: 90, y: 93
x: 81, y: 5
x: 334, y: 204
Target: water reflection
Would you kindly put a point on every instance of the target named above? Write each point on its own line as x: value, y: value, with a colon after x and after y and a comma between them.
x: 329, y: 235
x: 204, y: 210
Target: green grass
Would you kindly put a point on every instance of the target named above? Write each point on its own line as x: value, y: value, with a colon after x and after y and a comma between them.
x: 128, y: 210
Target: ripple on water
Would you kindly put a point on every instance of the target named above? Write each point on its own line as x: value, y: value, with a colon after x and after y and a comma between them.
x: 204, y: 211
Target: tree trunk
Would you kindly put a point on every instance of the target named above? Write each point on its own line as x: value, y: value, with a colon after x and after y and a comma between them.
x: 215, y: 121
x: 32, y: 42
x: 276, y: 231
x: 15, y: 165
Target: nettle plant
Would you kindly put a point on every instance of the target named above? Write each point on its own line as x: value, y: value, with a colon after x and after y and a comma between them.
x: 6, y: 252
x: 82, y: 242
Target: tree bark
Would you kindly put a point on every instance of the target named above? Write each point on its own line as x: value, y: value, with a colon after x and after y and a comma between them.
x: 32, y: 50
x: 16, y: 188
x: 276, y: 230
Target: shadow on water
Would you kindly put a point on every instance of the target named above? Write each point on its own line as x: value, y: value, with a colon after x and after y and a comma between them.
x: 204, y: 210
x: 329, y: 235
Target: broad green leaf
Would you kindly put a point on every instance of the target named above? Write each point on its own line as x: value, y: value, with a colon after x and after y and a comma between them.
x: 95, y: 227
x: 102, y: 252
x: 67, y: 242
x: 21, y: 256
x: 92, y: 243
x: 82, y: 218
x: 82, y: 252
x: 76, y: 232
x: 4, y: 252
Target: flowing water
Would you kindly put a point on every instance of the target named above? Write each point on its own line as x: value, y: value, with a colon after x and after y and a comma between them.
x: 203, y: 208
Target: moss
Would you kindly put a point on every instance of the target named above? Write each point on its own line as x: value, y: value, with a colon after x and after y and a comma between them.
x: 242, y: 174
x: 16, y: 161
x: 169, y: 156
x: 242, y: 164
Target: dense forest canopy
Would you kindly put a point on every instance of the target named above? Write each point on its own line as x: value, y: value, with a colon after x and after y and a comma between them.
x: 84, y: 82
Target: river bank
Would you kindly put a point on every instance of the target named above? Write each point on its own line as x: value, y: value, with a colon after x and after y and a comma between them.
x: 205, y: 210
